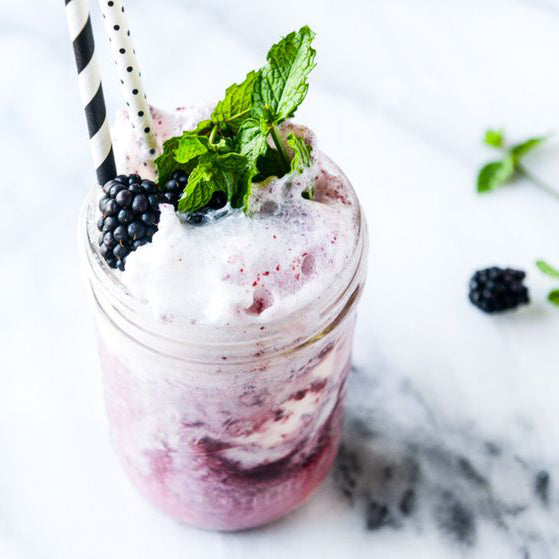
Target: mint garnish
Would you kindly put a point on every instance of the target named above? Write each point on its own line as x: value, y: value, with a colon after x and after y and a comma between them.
x: 240, y: 143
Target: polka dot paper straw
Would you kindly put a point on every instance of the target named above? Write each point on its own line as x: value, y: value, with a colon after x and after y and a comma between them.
x: 129, y: 72
x: 91, y: 91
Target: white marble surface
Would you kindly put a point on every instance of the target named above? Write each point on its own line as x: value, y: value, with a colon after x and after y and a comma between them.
x: 400, y: 98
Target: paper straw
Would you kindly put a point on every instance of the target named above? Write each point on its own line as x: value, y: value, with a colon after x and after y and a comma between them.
x: 124, y: 54
x: 91, y: 91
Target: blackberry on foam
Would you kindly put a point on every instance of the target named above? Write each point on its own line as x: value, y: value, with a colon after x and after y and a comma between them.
x: 129, y: 217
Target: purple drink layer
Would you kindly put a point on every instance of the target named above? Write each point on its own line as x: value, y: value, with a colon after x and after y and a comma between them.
x: 227, y: 447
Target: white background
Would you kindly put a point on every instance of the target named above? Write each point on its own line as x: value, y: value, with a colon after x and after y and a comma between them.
x: 400, y: 98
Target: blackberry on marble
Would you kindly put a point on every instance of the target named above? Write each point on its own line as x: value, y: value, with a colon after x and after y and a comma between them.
x: 498, y: 289
x: 129, y: 217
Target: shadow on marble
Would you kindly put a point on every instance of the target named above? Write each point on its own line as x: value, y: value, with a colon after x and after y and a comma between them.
x: 420, y: 474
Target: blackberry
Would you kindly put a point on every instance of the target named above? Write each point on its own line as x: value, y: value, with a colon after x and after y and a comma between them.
x: 173, y: 190
x: 130, y: 214
x: 174, y: 186
x: 498, y: 289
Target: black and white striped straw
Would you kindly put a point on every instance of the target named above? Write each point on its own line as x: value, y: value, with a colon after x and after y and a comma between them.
x: 130, y: 76
x: 91, y: 90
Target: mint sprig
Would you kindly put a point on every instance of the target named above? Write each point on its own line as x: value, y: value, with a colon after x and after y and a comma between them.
x: 240, y: 142
x: 281, y: 86
x: 501, y: 172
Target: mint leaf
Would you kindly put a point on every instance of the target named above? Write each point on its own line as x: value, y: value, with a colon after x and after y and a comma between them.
x: 179, y: 154
x: 223, y: 145
x: 212, y: 173
x: 203, y: 128
x: 281, y: 85
x: 518, y: 151
x: 301, y: 159
x: 495, y: 174
x: 235, y: 107
x: 553, y: 296
x: 252, y: 143
x: 166, y: 164
x: 494, y: 138
x: 241, y: 194
x: 233, y: 168
x: 552, y: 272
x: 190, y: 147
x: 301, y: 152
x: 547, y: 269
x: 251, y: 140
x: 231, y: 163
x: 200, y: 187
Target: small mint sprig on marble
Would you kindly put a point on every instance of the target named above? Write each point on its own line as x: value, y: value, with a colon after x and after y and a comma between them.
x: 503, y: 171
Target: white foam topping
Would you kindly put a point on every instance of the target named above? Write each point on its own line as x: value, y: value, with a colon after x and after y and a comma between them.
x: 239, y: 269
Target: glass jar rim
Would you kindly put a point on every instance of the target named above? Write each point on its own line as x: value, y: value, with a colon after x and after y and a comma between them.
x: 279, y: 334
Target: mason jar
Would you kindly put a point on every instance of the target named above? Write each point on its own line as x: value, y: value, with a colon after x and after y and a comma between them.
x: 223, y: 427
